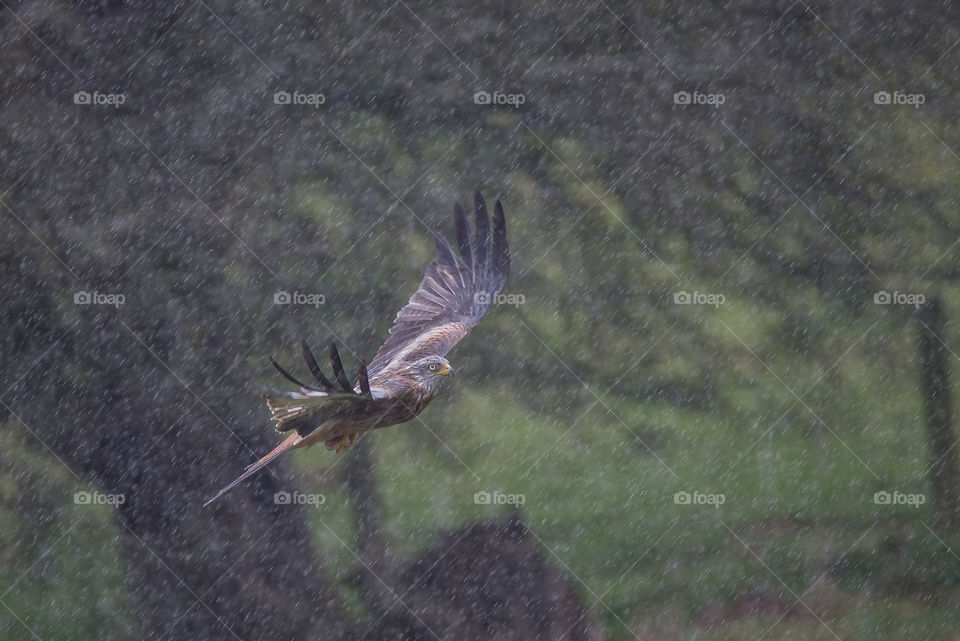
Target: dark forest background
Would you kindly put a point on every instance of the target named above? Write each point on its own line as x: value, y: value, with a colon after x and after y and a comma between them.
x: 747, y: 295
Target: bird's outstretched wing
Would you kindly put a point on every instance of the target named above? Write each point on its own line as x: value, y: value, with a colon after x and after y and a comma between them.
x: 454, y: 294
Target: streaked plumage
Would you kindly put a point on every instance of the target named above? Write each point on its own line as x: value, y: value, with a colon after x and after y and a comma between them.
x: 406, y: 373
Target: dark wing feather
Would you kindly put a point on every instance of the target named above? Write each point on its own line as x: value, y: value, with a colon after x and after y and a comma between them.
x: 313, y: 366
x: 309, y: 408
x: 481, y: 239
x: 293, y: 380
x: 501, y: 251
x: 463, y: 235
x: 338, y: 372
x: 445, y: 253
x: 454, y: 294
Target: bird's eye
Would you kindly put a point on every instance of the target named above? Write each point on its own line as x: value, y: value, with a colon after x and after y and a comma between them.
x: 433, y: 367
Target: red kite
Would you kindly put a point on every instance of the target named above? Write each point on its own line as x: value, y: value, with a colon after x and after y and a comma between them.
x: 407, y: 371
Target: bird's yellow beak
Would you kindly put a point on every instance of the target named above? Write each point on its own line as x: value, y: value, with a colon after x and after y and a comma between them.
x: 445, y: 370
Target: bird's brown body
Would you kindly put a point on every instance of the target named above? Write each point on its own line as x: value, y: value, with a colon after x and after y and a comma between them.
x: 406, y: 373
x: 390, y: 411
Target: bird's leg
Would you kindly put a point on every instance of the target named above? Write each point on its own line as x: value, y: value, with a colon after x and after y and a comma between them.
x: 341, y: 443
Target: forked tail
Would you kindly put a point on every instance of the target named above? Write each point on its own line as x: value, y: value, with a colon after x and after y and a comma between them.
x: 288, y: 444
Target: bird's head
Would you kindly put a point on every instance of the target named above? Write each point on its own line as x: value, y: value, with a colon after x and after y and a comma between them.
x: 431, y: 370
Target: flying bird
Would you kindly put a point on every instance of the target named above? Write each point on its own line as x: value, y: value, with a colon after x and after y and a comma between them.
x: 407, y: 371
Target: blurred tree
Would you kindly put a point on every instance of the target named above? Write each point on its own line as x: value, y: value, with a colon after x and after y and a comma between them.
x: 935, y: 375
